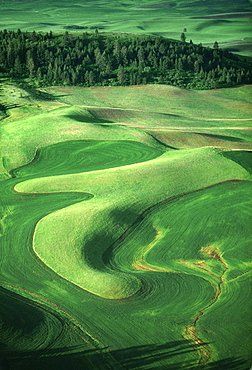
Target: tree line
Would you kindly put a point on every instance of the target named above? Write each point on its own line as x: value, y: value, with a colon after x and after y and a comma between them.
x: 87, y: 59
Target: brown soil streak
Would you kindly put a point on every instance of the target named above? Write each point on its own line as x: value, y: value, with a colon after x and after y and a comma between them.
x: 190, y: 330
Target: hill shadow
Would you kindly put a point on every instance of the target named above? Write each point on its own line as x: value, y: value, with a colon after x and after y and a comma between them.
x: 87, y: 119
x: 39, y: 94
x: 222, y: 137
x: 4, y: 107
x: 149, y: 356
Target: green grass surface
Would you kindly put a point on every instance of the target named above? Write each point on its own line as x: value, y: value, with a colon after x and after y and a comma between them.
x: 124, y: 232
x: 228, y: 23
x: 84, y: 156
x: 127, y: 186
x: 174, y: 237
x: 125, y: 228
x: 243, y: 158
x: 60, y: 124
x: 71, y: 117
x: 179, y: 104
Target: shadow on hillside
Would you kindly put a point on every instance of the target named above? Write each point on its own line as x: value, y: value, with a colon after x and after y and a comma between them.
x: 39, y: 94
x: 223, y: 137
x: 87, y: 119
x: 4, y: 107
x: 168, y: 356
x: 169, y: 115
x: 22, y: 323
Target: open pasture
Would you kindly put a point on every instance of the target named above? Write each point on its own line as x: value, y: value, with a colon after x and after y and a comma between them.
x: 230, y: 21
x: 125, y: 228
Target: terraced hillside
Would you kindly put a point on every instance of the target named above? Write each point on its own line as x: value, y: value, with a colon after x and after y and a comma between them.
x: 125, y: 228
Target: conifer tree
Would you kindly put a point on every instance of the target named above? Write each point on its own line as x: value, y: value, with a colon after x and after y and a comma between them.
x: 183, y: 37
x: 121, y: 75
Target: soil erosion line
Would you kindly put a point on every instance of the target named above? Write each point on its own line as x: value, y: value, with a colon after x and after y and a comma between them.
x: 204, y: 349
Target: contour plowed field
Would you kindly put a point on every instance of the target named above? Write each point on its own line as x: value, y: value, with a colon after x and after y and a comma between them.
x: 125, y: 248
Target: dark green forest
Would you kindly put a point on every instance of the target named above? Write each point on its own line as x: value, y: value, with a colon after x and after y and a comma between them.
x: 87, y: 59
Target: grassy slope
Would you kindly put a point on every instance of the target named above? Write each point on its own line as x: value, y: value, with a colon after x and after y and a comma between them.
x: 145, y: 331
x: 163, y: 99
x: 19, y: 146
x: 113, y: 199
x: 86, y: 156
x: 203, y: 21
x: 172, y: 115
x: 159, y: 175
x: 36, y: 330
x: 171, y: 109
x: 165, y: 234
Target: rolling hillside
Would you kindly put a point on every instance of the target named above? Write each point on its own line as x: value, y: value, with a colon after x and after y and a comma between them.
x: 204, y: 21
x: 125, y: 228
x: 125, y: 185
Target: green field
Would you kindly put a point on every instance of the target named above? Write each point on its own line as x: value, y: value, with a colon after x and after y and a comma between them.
x: 204, y: 21
x: 125, y: 228
x: 125, y: 211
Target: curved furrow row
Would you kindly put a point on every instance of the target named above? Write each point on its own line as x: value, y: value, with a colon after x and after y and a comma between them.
x: 43, y: 335
x: 161, y: 264
x: 117, y: 252
x: 189, y: 237
x: 18, y: 145
x: 96, y: 222
x: 31, y: 208
x: 85, y: 155
x: 37, y: 329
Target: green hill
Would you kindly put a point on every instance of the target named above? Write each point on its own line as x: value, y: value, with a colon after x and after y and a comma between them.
x: 125, y: 228
x: 227, y: 22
